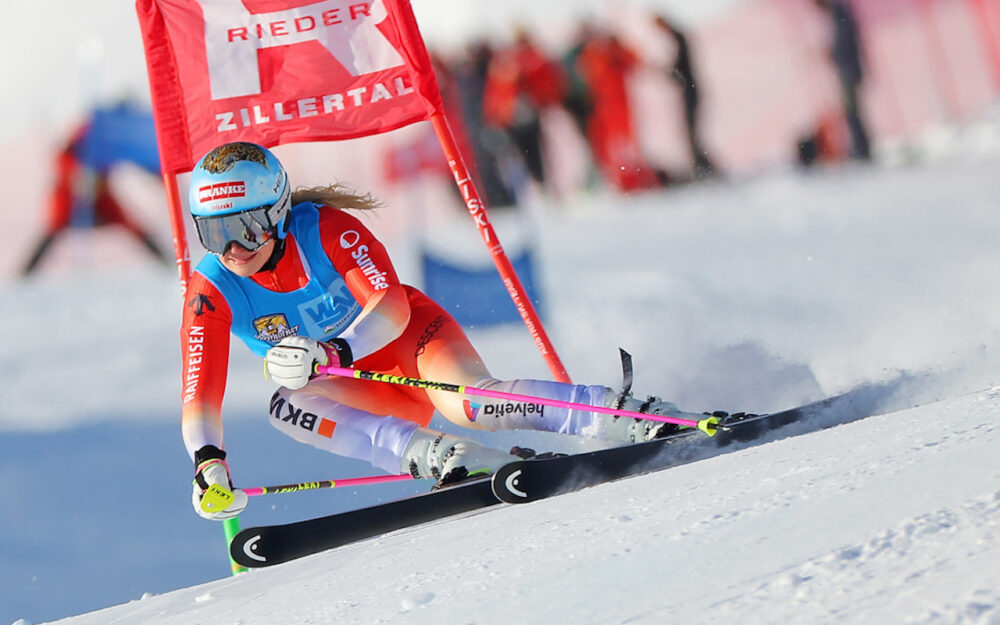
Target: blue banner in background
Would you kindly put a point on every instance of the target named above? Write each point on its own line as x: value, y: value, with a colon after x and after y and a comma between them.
x: 478, y: 297
x: 120, y: 134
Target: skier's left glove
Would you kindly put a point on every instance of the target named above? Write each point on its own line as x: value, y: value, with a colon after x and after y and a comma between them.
x: 292, y: 362
x: 213, y: 495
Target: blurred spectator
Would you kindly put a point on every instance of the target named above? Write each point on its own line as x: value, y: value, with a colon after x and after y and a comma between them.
x: 606, y: 64
x: 682, y: 73
x: 469, y: 74
x: 81, y: 196
x: 846, y: 54
x: 577, y: 99
x: 521, y: 82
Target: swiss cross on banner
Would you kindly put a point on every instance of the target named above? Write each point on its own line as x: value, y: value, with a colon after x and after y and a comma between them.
x: 281, y: 71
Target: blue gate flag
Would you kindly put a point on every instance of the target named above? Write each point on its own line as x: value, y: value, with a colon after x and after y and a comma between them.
x: 476, y: 297
x: 120, y: 133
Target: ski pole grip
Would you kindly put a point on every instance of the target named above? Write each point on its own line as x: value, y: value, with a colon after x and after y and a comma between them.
x: 216, y: 498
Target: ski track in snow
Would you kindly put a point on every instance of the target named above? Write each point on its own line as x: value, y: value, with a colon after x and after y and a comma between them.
x: 918, y: 552
x: 878, y: 576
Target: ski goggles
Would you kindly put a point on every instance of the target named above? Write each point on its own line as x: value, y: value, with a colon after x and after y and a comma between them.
x: 250, y: 229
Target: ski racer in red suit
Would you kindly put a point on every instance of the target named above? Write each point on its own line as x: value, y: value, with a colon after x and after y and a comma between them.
x: 303, y: 282
x: 606, y: 64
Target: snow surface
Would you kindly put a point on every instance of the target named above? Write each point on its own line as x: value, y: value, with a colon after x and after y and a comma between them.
x: 891, y: 520
x: 751, y: 294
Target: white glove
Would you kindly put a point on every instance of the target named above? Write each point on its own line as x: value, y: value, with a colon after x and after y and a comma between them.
x: 213, y: 495
x: 291, y: 363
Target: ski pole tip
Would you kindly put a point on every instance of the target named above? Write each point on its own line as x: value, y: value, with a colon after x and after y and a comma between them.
x: 709, y: 426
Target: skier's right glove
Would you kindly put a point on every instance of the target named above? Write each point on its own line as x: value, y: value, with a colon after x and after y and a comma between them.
x: 213, y: 495
x: 292, y: 362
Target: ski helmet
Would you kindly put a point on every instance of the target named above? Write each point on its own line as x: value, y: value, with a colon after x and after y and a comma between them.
x: 239, y: 192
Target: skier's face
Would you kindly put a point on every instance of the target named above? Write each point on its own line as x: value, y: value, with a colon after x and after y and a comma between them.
x: 245, y: 263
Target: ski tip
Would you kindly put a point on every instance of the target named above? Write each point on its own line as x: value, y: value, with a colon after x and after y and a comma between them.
x: 709, y: 426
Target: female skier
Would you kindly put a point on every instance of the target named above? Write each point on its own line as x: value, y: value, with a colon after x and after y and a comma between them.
x: 302, y: 282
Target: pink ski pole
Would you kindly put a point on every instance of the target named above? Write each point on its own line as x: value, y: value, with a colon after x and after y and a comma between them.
x: 218, y: 497
x: 351, y: 481
x: 708, y: 425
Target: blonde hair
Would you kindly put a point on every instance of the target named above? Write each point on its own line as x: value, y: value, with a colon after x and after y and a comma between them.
x: 335, y: 196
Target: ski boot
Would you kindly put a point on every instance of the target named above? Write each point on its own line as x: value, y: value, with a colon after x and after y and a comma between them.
x: 634, y: 430
x: 450, y: 459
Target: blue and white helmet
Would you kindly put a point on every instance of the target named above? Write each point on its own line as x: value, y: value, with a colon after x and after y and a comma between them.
x: 239, y: 193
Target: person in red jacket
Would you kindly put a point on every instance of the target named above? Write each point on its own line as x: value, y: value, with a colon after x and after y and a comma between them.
x: 606, y: 64
x: 521, y: 82
x: 301, y: 281
x: 81, y: 196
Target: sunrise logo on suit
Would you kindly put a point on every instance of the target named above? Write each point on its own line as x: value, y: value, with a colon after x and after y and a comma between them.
x: 272, y: 328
